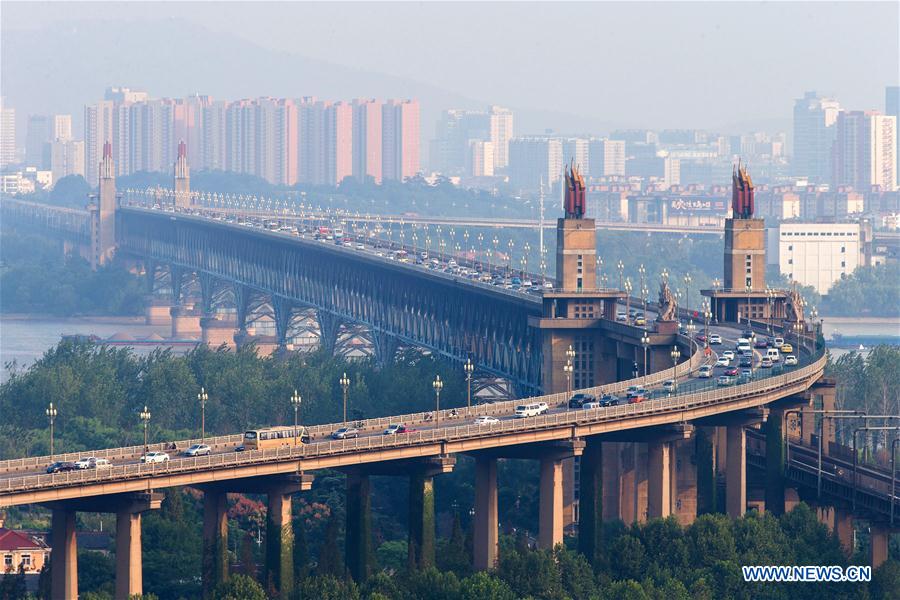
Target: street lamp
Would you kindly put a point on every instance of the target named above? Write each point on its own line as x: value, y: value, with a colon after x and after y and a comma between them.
x: 51, y: 413
x: 345, y: 385
x: 438, y: 385
x: 645, y: 295
x: 749, y: 289
x: 621, y: 267
x: 645, y: 342
x: 628, y: 298
x: 675, y: 354
x: 295, y: 402
x: 570, y: 367
x: 691, y: 328
x: 202, y: 397
x: 716, y: 285
x: 706, y: 316
x: 687, y: 291
x: 145, y: 418
x: 642, y: 271
x: 599, y: 268
x: 469, y: 368
x: 510, y: 244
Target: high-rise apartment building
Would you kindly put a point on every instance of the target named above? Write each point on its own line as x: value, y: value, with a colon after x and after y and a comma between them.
x: 7, y: 134
x: 501, y: 131
x: 367, y: 139
x: 62, y: 128
x: 892, y: 109
x: 533, y: 160
x: 66, y: 158
x: 864, y: 151
x: 606, y: 158
x: 212, y: 146
x: 481, y: 158
x: 575, y: 152
x: 814, y: 132
x: 98, y: 129
x: 338, y: 142
x: 400, y: 139
x: 313, y: 167
x: 36, y: 137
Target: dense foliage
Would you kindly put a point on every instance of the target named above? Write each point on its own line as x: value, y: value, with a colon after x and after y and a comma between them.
x: 868, y: 291
x: 37, y: 278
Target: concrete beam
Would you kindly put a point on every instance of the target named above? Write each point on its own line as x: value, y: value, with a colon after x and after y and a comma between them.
x: 486, y: 535
x: 290, y: 483
x: 432, y: 465
x: 746, y: 417
x: 112, y: 503
x: 560, y: 449
x: 662, y: 433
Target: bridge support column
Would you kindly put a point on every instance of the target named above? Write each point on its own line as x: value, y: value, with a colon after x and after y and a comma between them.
x: 879, y: 537
x: 215, y: 540
x: 659, y: 488
x: 486, y: 535
x: 185, y: 322
x: 611, y: 457
x: 706, y: 471
x: 216, y: 332
x: 843, y: 529
x: 775, y: 461
x: 385, y: 347
x: 359, y: 526
x: 279, y: 542
x: 551, y: 503
x: 736, y: 471
x: 590, y: 503
x: 329, y: 327
x: 421, y: 520
x: 129, y: 566
x: 64, y: 557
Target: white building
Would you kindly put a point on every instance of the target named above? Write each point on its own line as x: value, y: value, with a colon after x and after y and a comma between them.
x: 816, y: 254
x: 7, y: 135
x: 501, y: 128
x: 606, y: 158
x: 66, y: 158
x: 62, y: 127
x: 864, y: 151
x: 481, y: 158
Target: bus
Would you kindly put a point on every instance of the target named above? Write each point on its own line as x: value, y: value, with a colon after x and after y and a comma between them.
x: 275, y: 437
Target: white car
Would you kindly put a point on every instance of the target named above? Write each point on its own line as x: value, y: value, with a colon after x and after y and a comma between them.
x: 668, y: 385
x: 588, y: 405
x: 715, y: 338
x: 729, y: 354
x: 531, y: 410
x: 155, y: 457
x: 393, y: 428
x: 723, y: 361
x: 91, y: 462
x: 724, y: 380
x: 486, y: 420
x: 705, y: 372
x: 198, y: 450
x: 791, y: 361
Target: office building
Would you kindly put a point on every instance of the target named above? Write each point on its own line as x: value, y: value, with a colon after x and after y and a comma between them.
x: 814, y: 131
x: 501, y: 131
x: 816, y: 254
x: 37, y: 135
x: 457, y: 128
x: 864, y: 151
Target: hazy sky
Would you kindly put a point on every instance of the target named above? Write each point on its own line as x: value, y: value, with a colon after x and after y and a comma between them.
x: 659, y: 64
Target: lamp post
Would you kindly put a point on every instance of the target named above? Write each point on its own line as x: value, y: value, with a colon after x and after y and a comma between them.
x: 675, y: 354
x: 628, y: 298
x: 345, y: 386
x: 691, y: 328
x: 645, y: 295
x: 469, y: 368
x: 599, y: 268
x: 202, y: 397
x: 749, y: 289
x: 295, y: 402
x: 51, y: 413
x: 621, y: 267
x: 645, y: 342
x: 687, y: 291
x: 642, y: 271
x: 706, y: 316
x: 716, y: 285
x: 570, y: 367
x: 438, y: 385
x: 145, y: 418
x: 510, y: 244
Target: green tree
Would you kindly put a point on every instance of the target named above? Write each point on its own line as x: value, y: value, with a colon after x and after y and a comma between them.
x: 484, y: 586
x: 532, y: 573
x: 330, y: 560
x: 886, y: 581
x: 627, y: 590
x: 326, y: 587
x: 627, y: 557
x: 239, y: 587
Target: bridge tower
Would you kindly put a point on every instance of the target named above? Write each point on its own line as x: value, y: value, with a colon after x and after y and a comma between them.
x: 572, y: 311
x: 182, y: 179
x: 103, y: 212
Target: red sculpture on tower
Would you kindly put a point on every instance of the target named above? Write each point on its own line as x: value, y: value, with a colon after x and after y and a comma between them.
x: 574, y: 202
x: 741, y: 193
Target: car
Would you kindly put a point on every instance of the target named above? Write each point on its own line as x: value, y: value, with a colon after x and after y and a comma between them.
x: 240, y: 448
x: 778, y: 342
x: 61, y: 466
x: 486, y: 420
x: 531, y: 410
x: 791, y: 361
x: 715, y: 339
x: 748, y: 333
x: 746, y: 361
x: 345, y: 433
x: 705, y: 372
x: 786, y: 349
x: 745, y: 349
x: 590, y: 405
x: 640, y: 321
x: 700, y: 337
x: 731, y: 372
x: 155, y: 457
x: 579, y: 399
x: 360, y: 247
x: 766, y: 363
x: 747, y: 373
x: 724, y: 380
x: 393, y: 428
x: 622, y: 317
x: 761, y: 342
x: 609, y: 400
x: 723, y: 361
x: 91, y: 462
x: 100, y: 463
x: 198, y: 450
x: 668, y: 385
x: 729, y: 354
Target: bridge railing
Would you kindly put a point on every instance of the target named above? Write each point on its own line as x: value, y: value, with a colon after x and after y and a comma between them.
x: 446, y: 433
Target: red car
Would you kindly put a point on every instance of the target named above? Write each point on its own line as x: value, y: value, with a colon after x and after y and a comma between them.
x: 731, y: 372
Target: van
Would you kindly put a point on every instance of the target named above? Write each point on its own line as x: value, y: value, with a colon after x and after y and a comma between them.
x: 778, y: 342
x: 773, y: 355
x: 531, y: 410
